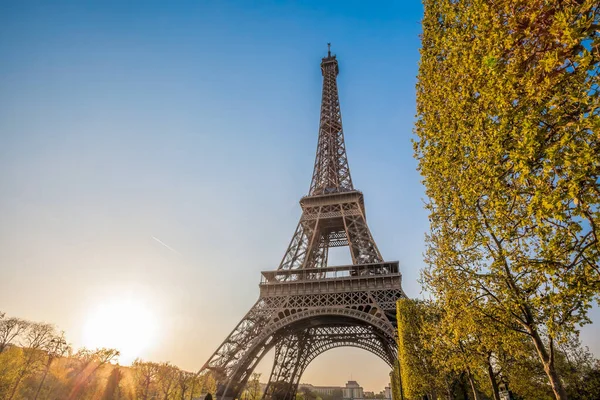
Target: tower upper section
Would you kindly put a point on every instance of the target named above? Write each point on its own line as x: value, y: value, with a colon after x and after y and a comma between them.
x: 331, y: 173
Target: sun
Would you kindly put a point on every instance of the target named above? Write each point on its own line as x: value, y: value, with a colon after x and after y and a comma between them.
x: 127, y: 325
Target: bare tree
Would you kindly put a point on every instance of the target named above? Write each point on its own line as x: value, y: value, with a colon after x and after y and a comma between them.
x: 10, y: 329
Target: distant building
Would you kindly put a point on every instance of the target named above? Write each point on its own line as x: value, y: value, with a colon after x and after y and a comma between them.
x: 321, y: 390
x: 353, y: 391
x: 387, y: 392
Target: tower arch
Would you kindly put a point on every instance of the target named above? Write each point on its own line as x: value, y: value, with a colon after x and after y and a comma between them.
x: 300, y: 337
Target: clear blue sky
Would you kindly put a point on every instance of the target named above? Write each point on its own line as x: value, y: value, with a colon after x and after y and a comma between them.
x: 194, y: 124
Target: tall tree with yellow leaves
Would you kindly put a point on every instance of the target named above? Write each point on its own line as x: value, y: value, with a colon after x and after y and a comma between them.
x: 508, y: 144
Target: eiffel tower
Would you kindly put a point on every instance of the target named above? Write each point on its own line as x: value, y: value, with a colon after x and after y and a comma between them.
x: 307, y: 307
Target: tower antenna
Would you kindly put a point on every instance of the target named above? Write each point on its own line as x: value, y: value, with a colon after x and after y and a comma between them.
x: 328, y: 49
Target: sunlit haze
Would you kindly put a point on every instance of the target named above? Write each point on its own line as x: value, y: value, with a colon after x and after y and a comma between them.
x: 153, y: 155
x: 126, y: 324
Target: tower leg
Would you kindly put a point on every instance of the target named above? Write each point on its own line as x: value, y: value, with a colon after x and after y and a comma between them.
x: 234, y: 361
x: 289, y: 354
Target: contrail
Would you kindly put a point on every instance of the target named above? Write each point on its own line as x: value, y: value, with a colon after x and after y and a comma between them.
x: 166, y: 245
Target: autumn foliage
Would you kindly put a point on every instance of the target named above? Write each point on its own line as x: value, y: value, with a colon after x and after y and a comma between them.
x: 445, y: 355
x: 508, y: 126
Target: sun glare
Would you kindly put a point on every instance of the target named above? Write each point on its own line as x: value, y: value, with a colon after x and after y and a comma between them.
x: 124, y: 324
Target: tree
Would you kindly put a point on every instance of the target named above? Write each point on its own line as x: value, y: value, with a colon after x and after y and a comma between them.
x: 464, y: 339
x: 507, y: 103
x: 396, y: 382
x: 36, y: 339
x: 10, y: 329
x: 10, y: 362
x: 307, y: 394
x: 589, y: 386
x: 252, y: 390
x: 185, y: 383
x: 145, y: 376
x: 208, y: 382
x: 112, y: 390
x: 91, y: 361
x: 38, y: 364
x: 197, y: 383
x: 579, y: 369
x: 166, y: 379
x: 56, y: 347
x: 417, y: 372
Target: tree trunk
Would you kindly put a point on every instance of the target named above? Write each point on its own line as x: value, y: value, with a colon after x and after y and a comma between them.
x: 493, y: 381
x: 37, y: 393
x: 548, y: 363
x: 473, y: 387
x: 17, y: 382
x: 146, y: 388
x: 463, y: 386
x: 448, y: 391
x: 192, y: 389
x: 21, y: 375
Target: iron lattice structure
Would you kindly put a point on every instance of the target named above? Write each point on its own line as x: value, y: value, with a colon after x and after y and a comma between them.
x: 306, y: 307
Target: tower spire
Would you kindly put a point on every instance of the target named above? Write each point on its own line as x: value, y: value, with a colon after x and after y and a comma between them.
x: 331, y: 172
